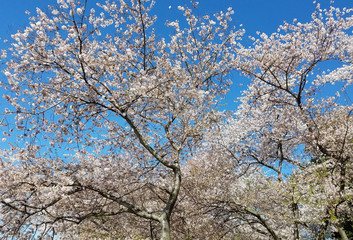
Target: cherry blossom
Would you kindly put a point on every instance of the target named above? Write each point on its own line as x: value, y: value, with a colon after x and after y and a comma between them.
x: 120, y: 132
x: 111, y: 112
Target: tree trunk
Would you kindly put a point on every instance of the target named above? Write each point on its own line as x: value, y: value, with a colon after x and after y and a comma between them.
x: 342, y: 233
x: 165, y: 228
x: 295, y: 210
x: 165, y: 217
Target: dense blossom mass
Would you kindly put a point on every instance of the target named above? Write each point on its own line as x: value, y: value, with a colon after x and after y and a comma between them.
x: 120, y: 132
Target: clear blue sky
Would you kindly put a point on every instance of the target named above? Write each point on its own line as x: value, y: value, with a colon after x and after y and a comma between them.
x: 255, y: 15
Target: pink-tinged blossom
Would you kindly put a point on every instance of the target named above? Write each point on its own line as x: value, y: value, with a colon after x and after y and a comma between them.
x: 119, y: 132
x: 111, y: 112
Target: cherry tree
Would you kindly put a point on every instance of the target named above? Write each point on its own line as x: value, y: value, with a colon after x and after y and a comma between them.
x: 119, y: 135
x: 108, y: 110
x: 293, y: 122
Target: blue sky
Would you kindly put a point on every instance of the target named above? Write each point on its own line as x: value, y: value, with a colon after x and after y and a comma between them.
x: 255, y: 15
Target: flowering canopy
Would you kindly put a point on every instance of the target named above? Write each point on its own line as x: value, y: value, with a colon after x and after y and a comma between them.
x: 126, y: 106
x: 121, y: 137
